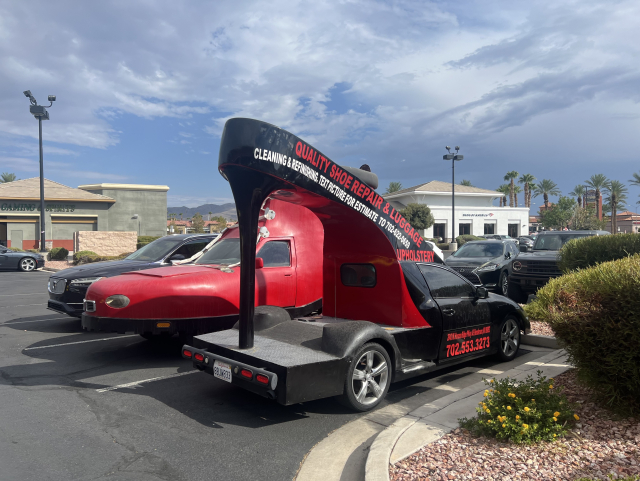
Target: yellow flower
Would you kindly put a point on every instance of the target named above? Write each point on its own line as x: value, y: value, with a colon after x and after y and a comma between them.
x: 533, y: 400
x: 577, y: 417
x: 525, y: 426
x: 554, y: 435
x: 517, y: 417
x: 490, y: 390
x: 526, y: 409
x: 550, y: 386
x: 504, y: 425
x: 512, y: 395
x: 486, y: 393
x: 556, y: 414
x: 480, y: 403
x: 508, y: 408
x: 489, y: 421
x: 491, y: 381
x: 555, y: 418
x: 488, y: 411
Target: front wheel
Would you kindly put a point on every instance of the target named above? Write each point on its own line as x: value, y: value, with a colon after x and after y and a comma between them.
x: 27, y: 264
x: 368, y: 378
x: 504, y: 284
x: 509, y: 339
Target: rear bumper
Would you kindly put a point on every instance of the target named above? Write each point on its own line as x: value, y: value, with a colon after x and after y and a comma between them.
x: 158, y: 326
x: 252, y: 384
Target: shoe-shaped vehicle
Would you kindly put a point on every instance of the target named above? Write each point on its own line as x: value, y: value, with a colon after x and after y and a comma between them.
x: 203, y: 295
x: 391, y: 310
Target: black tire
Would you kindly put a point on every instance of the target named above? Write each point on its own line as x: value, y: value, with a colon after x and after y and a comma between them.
x: 373, y: 365
x: 509, y: 339
x: 503, y: 286
x: 515, y: 293
x: 27, y: 264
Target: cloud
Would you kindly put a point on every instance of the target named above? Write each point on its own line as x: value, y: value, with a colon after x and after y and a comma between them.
x: 53, y: 169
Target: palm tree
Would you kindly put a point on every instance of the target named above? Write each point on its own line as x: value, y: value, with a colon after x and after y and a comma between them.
x: 6, y: 178
x: 210, y: 215
x: 393, y: 187
x: 616, y: 196
x: 527, y: 180
x: 466, y: 182
x: 516, y: 190
x: 180, y: 215
x: 545, y: 187
x: 579, y: 191
x: 510, y: 176
x: 635, y: 181
x: 504, y: 189
x: 597, y: 182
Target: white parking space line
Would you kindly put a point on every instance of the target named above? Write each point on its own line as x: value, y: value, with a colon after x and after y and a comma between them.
x: 489, y: 371
x: 22, y: 305
x: 80, y: 342
x: 446, y: 387
x: 13, y: 295
x: 9, y: 323
x: 137, y: 383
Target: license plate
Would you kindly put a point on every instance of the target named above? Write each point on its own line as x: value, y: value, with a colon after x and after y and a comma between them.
x: 222, y: 370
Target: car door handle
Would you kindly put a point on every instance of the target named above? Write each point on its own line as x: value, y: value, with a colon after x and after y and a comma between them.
x: 448, y: 312
x: 287, y: 275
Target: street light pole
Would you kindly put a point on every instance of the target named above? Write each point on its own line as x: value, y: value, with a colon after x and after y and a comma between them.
x: 453, y: 158
x: 40, y: 112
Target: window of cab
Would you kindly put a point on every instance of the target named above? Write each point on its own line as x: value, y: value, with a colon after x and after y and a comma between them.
x: 358, y: 275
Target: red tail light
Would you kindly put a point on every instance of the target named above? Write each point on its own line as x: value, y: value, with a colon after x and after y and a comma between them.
x: 199, y: 357
x: 262, y: 379
x: 246, y: 373
x: 187, y: 353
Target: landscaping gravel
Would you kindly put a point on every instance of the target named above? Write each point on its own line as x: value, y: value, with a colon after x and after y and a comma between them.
x: 541, y: 328
x: 599, y: 444
x: 57, y: 264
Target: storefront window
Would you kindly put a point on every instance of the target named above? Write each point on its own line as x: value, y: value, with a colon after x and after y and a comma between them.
x: 489, y: 228
x: 464, y: 229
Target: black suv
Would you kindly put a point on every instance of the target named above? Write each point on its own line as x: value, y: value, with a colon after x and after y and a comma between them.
x: 67, y: 288
x: 536, y: 265
x: 485, y: 263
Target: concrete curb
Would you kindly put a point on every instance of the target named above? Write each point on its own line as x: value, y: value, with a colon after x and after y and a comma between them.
x: 50, y: 269
x: 540, y: 341
x: 430, y: 422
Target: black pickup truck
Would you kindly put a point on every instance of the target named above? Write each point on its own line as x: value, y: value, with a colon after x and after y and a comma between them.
x: 533, y: 268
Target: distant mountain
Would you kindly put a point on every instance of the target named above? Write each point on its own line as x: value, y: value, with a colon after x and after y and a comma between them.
x: 228, y: 211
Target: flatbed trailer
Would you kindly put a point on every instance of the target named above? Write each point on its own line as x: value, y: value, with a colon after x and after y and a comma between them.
x: 391, y: 309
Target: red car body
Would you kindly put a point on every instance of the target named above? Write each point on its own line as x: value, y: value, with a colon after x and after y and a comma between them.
x: 201, y: 297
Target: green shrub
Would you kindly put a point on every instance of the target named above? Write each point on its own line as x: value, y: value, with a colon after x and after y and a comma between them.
x: 463, y: 239
x: 58, y: 254
x: 77, y: 255
x: 15, y: 249
x: 443, y: 245
x: 595, y: 313
x: 526, y: 411
x: 589, y: 251
x: 143, y: 240
x: 35, y: 251
x: 83, y: 258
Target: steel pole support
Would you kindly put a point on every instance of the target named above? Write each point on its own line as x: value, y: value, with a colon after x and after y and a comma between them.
x: 42, y: 224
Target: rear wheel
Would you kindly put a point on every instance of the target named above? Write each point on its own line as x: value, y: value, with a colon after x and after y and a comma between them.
x: 27, y: 264
x: 509, y: 339
x: 368, y: 378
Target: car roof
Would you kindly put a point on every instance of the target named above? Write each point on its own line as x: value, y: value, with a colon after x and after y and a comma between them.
x: 487, y: 241
x: 549, y: 232
x: 189, y: 236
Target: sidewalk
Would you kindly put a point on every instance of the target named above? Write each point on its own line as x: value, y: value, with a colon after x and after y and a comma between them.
x: 431, y: 421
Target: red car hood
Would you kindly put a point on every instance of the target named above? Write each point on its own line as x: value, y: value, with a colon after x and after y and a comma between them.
x: 178, y: 292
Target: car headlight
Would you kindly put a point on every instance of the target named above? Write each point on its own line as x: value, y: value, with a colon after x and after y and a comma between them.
x: 487, y: 268
x: 117, y: 301
x: 84, y: 281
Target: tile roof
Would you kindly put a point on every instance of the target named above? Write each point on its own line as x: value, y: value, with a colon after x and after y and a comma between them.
x: 439, y: 186
x: 29, y: 189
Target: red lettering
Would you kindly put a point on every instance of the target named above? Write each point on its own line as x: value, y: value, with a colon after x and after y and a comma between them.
x: 355, y: 185
x: 343, y: 177
x: 371, y: 197
x: 360, y: 189
x: 348, y: 182
x: 419, y: 241
x: 305, y: 151
x: 402, y: 222
x: 378, y: 202
x: 299, y: 149
x: 333, y: 170
x: 366, y: 192
x: 315, y: 154
x: 406, y: 227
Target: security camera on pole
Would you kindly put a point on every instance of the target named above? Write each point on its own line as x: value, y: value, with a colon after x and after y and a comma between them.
x: 453, y: 157
x: 40, y: 113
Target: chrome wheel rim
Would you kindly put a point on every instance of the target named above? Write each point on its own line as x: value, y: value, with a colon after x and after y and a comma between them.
x: 505, y: 284
x: 370, y: 377
x: 510, y: 337
x: 28, y: 264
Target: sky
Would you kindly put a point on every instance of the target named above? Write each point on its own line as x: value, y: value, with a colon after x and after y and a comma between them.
x: 144, y: 88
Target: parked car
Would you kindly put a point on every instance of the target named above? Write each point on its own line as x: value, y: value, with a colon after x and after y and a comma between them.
x: 526, y: 241
x: 499, y: 237
x: 485, y: 263
x: 23, y: 261
x: 203, y: 296
x: 535, y: 267
x: 67, y: 288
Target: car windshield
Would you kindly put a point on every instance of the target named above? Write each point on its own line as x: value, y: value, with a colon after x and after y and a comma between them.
x: 156, y: 250
x: 225, y: 251
x: 554, y: 242
x: 481, y: 249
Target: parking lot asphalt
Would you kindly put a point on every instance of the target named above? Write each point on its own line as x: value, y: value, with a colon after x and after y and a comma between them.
x: 102, y: 406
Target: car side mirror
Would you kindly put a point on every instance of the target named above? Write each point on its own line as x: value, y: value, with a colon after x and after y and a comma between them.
x: 259, y: 262
x: 481, y: 293
x: 507, y: 255
x: 523, y: 248
x: 177, y: 257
